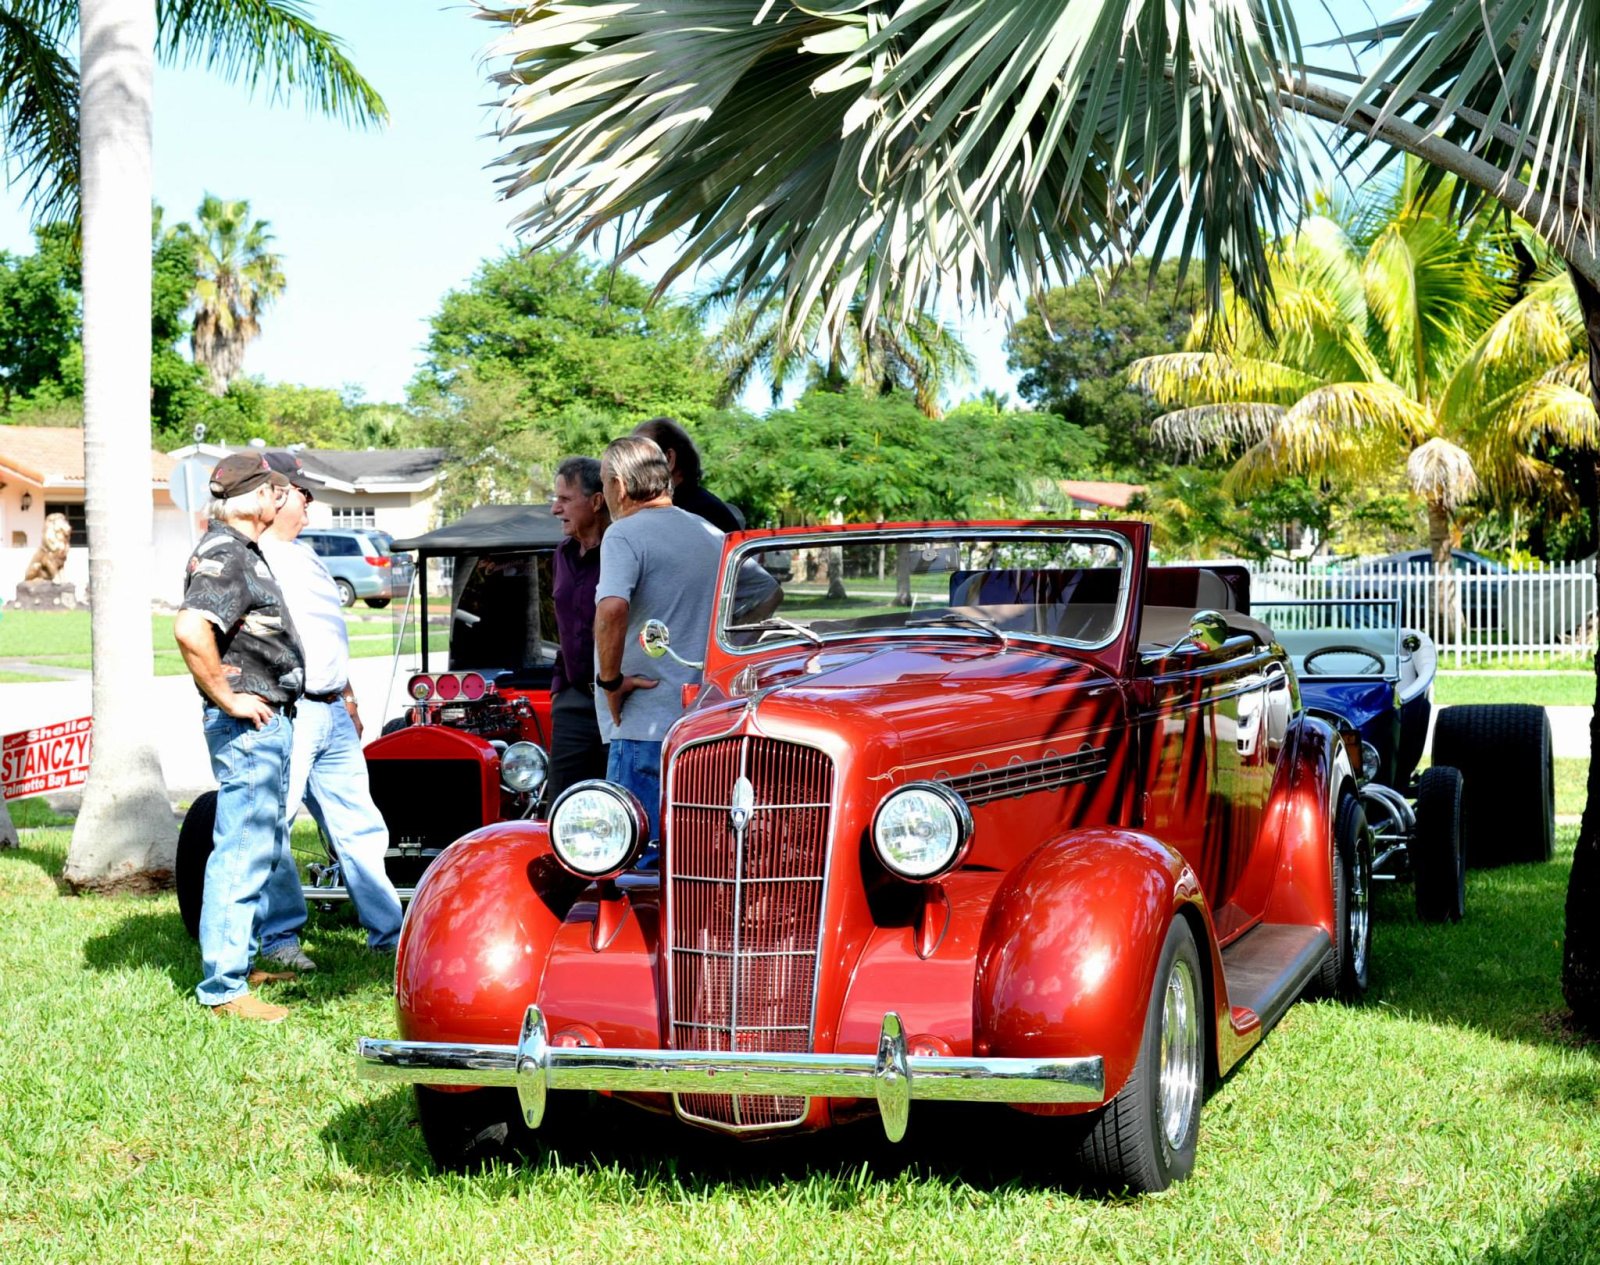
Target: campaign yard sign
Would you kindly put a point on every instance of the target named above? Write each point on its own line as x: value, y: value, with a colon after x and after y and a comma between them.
x: 49, y: 758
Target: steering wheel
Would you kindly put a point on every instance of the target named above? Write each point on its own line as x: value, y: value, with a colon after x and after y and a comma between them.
x: 1368, y: 664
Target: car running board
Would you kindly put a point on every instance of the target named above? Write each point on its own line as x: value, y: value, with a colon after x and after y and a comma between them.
x: 1267, y: 968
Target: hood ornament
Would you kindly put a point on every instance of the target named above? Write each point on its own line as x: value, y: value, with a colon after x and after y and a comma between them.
x: 744, y: 802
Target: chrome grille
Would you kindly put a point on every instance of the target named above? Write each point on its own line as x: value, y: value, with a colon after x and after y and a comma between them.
x: 744, y: 913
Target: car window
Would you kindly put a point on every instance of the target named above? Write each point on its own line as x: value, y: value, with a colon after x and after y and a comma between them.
x: 343, y: 547
x: 1051, y: 584
x: 383, y: 541
x: 318, y: 543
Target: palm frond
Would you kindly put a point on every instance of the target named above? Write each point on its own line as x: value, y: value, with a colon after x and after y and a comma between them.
x: 1534, y: 335
x: 39, y: 109
x: 1189, y: 378
x: 1441, y: 474
x: 270, y: 41
x: 848, y: 149
x: 1191, y: 433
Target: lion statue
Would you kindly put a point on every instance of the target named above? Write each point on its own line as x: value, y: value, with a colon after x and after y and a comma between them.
x: 50, y: 558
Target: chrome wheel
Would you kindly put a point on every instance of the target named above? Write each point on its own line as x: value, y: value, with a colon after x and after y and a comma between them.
x: 1180, y: 1055
x: 1360, y: 903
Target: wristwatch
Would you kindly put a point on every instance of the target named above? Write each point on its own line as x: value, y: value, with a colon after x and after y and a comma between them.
x: 610, y: 686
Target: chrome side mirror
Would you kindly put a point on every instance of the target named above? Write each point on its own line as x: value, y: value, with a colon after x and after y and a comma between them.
x: 1208, y: 630
x: 656, y: 641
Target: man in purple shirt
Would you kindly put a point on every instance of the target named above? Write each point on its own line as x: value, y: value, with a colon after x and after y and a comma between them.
x: 577, y: 751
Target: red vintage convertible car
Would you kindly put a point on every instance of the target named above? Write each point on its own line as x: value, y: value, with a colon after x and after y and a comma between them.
x: 1022, y: 820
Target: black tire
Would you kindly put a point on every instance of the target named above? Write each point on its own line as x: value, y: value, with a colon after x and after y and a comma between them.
x: 377, y: 603
x: 394, y: 726
x: 467, y: 1131
x: 347, y: 592
x: 1508, y: 803
x: 1438, y: 856
x: 1347, y: 969
x: 1144, y: 1139
x: 195, y: 844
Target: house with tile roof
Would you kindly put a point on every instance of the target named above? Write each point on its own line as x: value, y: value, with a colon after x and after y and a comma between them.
x: 391, y: 489
x: 41, y: 473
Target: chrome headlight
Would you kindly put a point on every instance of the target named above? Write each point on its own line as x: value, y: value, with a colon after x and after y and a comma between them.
x: 524, y: 767
x: 597, y: 828
x: 921, y: 830
x: 1369, y: 762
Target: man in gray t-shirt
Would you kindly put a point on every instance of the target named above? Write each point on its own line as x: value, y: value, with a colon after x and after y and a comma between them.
x: 656, y: 562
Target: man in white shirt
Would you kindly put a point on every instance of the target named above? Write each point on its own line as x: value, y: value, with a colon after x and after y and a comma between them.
x: 326, y: 768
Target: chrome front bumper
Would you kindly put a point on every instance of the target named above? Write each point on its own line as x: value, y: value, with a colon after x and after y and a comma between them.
x: 534, y: 1067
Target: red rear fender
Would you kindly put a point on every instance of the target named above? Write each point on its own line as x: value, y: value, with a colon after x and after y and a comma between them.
x: 478, y: 933
x: 1070, y: 947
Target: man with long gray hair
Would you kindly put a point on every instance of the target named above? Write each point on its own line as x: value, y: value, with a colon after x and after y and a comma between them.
x: 240, y: 645
x: 577, y: 748
x: 656, y: 562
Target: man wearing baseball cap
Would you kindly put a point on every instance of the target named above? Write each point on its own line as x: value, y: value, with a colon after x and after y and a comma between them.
x: 239, y: 643
x: 327, y: 769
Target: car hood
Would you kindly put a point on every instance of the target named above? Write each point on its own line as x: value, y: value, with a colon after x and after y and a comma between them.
x: 934, y: 697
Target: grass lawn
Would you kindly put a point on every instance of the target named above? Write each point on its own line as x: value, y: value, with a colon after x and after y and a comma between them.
x: 1448, y: 1118
x: 61, y: 639
x: 1547, y: 689
x: 23, y: 678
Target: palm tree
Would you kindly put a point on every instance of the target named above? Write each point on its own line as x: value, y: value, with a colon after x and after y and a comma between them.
x: 236, y: 277
x: 125, y: 834
x: 841, y: 144
x: 919, y: 354
x: 1409, y: 352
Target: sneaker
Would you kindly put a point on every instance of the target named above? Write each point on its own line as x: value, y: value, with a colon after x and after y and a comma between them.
x: 292, y: 956
x: 258, y: 976
x: 249, y: 1006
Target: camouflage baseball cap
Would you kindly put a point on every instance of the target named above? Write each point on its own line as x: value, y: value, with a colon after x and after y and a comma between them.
x: 243, y: 472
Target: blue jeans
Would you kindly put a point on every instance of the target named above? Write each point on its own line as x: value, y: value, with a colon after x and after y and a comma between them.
x: 250, y: 837
x: 637, y: 766
x: 329, y: 772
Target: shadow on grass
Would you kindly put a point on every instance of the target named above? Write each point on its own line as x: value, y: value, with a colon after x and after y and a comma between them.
x: 159, y: 941
x: 1497, y: 971
x: 1567, y: 1231
x: 837, y: 1167
x: 47, y: 859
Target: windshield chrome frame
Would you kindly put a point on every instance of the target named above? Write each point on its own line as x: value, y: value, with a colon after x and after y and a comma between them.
x: 825, y: 539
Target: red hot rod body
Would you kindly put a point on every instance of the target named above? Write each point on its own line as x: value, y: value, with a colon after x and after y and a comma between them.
x: 1022, y: 820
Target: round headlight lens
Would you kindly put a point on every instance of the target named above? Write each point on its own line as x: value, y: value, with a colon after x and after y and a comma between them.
x: 596, y: 828
x: 524, y: 766
x: 921, y: 830
x: 1369, y: 762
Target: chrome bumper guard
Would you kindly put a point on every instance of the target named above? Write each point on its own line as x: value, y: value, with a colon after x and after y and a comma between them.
x: 337, y: 891
x: 894, y: 1077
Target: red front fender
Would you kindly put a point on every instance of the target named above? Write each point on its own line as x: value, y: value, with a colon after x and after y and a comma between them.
x: 477, y: 936
x: 1070, y: 947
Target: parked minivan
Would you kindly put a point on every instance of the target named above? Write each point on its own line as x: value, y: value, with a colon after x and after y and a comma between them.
x: 359, y: 560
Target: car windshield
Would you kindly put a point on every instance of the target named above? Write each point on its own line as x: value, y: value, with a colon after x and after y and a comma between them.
x: 994, y: 584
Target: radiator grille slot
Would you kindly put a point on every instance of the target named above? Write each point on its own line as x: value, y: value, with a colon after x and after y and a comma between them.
x: 744, y: 910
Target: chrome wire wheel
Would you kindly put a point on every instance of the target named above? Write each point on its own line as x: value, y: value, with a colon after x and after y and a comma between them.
x: 1359, y: 917
x: 1180, y: 1055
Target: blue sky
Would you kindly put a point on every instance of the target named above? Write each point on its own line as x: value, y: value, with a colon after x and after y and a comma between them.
x: 373, y: 226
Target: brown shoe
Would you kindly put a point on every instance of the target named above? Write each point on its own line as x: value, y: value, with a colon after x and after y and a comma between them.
x: 258, y: 976
x: 249, y: 1006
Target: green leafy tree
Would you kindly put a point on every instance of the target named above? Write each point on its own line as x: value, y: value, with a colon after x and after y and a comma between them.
x: 918, y: 355
x: 1395, y: 347
x: 1073, y: 343
x: 553, y: 345
x: 236, y: 278
x: 41, y: 300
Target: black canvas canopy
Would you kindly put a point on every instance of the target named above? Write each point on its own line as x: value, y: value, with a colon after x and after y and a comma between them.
x: 489, y: 528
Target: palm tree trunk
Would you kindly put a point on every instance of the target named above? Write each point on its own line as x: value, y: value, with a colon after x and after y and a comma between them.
x: 1580, y: 965
x: 1446, y: 612
x: 125, y: 835
x: 8, y: 832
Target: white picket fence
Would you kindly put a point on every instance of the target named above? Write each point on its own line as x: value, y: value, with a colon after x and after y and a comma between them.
x: 1508, y: 617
